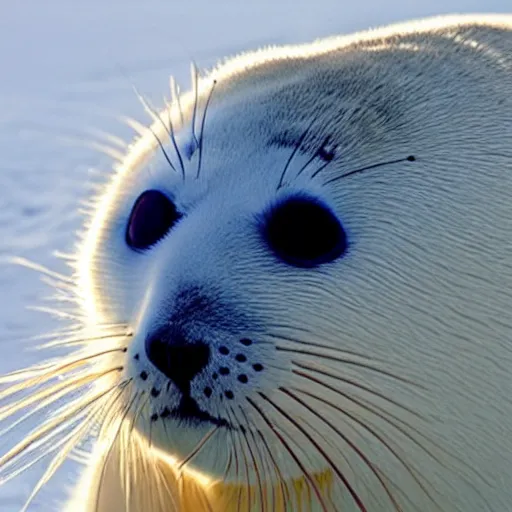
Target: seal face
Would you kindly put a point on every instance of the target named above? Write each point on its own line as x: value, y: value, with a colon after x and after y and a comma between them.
x: 299, y: 284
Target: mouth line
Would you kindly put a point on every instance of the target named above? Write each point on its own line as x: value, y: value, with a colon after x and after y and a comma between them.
x: 188, y: 411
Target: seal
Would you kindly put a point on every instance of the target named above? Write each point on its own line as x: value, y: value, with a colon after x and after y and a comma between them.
x: 294, y: 293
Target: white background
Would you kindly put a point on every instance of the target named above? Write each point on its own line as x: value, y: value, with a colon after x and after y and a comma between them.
x: 67, y: 68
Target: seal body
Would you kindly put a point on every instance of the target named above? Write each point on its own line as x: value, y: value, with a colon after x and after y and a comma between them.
x: 309, y: 257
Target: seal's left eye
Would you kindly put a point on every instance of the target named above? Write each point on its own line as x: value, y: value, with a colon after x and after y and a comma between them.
x: 152, y: 216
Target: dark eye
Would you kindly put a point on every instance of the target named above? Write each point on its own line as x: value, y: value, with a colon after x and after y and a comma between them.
x: 153, y: 215
x: 304, y: 232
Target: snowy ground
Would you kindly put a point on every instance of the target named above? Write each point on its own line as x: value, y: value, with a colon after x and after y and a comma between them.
x: 67, y: 69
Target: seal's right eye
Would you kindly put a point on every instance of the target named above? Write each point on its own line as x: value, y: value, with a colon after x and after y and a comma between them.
x: 304, y: 232
x: 152, y: 216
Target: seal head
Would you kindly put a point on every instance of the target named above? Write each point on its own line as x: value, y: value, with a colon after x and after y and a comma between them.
x: 301, y: 277
x: 318, y: 279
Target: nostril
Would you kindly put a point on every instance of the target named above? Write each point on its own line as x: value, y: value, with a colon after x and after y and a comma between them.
x: 176, y: 357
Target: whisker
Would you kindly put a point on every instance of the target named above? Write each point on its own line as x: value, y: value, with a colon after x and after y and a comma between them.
x: 54, y: 371
x: 195, y: 85
x: 313, y: 157
x: 128, y: 469
x: 248, y: 498
x: 68, y: 336
x: 320, y: 169
x: 290, y: 451
x: 107, y: 418
x: 256, y: 468
x: 204, y: 500
x: 48, y: 396
x: 166, y: 431
x: 150, y: 439
x: 64, y: 291
x: 350, y: 382
x: 263, y: 500
x: 201, y: 135
x: 350, y: 362
x: 345, y: 438
x: 24, y: 262
x: 174, y: 143
x: 157, y: 118
x: 34, y: 460
x: 298, y: 426
x: 79, y: 327
x: 326, y: 346
x: 229, y: 461
x: 235, y: 452
x: 54, y: 334
x: 168, y: 129
x: 162, y: 487
x: 159, y: 142
x: 69, y: 258
x: 390, y: 418
x: 110, y: 439
x: 127, y: 463
x: 70, y: 442
x: 108, y: 137
x: 50, y: 428
x: 410, y: 158
x: 100, y: 147
x: 138, y: 413
x: 294, y: 152
x: 140, y: 129
x: 175, y: 97
x: 18, y: 375
x: 133, y: 466
x: 285, y: 493
x: 57, y: 313
x: 369, y: 429
x: 198, y: 448
x: 73, y: 341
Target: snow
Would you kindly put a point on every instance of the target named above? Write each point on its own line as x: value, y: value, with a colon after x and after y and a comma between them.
x: 67, y: 70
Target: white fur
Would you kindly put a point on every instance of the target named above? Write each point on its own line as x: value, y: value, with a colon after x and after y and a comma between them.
x: 423, y: 293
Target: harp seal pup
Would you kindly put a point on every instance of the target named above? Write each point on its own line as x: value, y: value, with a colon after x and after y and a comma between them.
x: 299, y: 282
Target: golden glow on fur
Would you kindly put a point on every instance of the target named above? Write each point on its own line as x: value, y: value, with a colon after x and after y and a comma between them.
x: 203, y: 480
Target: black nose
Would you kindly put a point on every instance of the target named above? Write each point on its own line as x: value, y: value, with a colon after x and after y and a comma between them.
x: 177, y: 357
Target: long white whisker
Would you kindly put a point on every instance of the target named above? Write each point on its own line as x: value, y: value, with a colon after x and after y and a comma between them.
x: 24, y: 262
x: 71, y: 440
x: 70, y: 414
x: 110, y: 437
x: 44, y: 373
x: 357, y: 500
x: 46, y: 398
